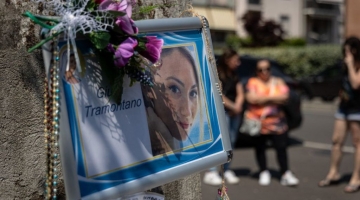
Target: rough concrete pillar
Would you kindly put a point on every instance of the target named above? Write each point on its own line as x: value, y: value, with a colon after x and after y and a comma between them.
x: 22, y: 152
x: 22, y: 158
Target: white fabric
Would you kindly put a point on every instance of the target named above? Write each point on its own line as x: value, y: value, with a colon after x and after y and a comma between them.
x: 74, y: 18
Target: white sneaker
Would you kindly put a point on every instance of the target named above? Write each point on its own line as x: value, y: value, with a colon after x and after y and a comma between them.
x: 230, y: 177
x: 289, y: 179
x: 212, y: 178
x: 264, y: 178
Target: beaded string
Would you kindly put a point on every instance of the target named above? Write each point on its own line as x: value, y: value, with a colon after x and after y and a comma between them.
x: 51, y: 121
x: 210, y: 54
x: 207, y: 44
x: 222, y: 192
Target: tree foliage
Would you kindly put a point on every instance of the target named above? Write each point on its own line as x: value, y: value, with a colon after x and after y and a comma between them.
x: 299, y: 61
x: 263, y: 32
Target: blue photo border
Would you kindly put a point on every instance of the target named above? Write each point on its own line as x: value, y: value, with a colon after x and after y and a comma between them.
x: 90, y: 186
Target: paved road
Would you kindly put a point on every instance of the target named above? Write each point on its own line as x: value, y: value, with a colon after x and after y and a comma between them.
x: 309, y: 159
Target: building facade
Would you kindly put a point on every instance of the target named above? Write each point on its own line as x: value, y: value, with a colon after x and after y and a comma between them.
x: 352, y: 25
x: 221, y: 17
x: 324, y: 21
x: 317, y: 21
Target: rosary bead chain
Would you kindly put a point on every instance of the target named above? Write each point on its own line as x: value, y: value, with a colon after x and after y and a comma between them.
x: 51, y: 122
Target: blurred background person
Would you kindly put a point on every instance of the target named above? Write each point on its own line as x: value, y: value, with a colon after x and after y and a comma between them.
x: 265, y: 94
x: 347, y: 117
x: 233, y: 98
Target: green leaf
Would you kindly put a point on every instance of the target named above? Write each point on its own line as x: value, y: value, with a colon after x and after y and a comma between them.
x: 37, y: 20
x: 100, y: 39
x: 43, y: 42
x: 141, y: 46
x: 117, y: 13
x: 91, y: 6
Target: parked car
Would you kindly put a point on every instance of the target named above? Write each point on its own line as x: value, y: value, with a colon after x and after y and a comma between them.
x: 292, y: 109
x: 325, y: 84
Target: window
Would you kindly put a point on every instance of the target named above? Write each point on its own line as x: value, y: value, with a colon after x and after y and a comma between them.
x: 320, y: 5
x: 218, y: 36
x: 326, y: 6
x: 285, y: 23
x: 255, y: 2
x: 221, y: 3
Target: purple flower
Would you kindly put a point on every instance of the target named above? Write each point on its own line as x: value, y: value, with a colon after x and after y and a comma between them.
x: 124, y: 22
x: 127, y: 25
x: 110, y: 48
x: 122, y: 6
x: 153, y: 49
x: 124, y: 52
x: 126, y: 5
x: 108, y: 5
x: 130, y: 3
x: 98, y: 1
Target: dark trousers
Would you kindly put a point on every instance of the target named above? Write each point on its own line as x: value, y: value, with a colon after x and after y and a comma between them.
x: 280, y: 143
x: 234, y: 123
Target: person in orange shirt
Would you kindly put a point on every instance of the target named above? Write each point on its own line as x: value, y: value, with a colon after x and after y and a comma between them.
x: 265, y: 94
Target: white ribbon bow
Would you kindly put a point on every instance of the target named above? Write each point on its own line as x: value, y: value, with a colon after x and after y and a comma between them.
x: 73, y: 19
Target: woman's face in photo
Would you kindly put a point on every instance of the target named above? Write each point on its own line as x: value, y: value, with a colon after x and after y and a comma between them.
x: 177, y: 94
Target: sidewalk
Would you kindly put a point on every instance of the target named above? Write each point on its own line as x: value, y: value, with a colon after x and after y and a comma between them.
x: 308, y: 164
x: 318, y: 105
x: 309, y: 157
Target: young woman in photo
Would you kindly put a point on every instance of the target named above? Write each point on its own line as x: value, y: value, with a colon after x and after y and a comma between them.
x: 173, y: 102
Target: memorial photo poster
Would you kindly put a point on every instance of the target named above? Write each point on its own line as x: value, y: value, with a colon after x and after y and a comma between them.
x: 152, y: 129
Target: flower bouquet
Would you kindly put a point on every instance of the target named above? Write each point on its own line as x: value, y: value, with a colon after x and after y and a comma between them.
x: 108, y: 24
